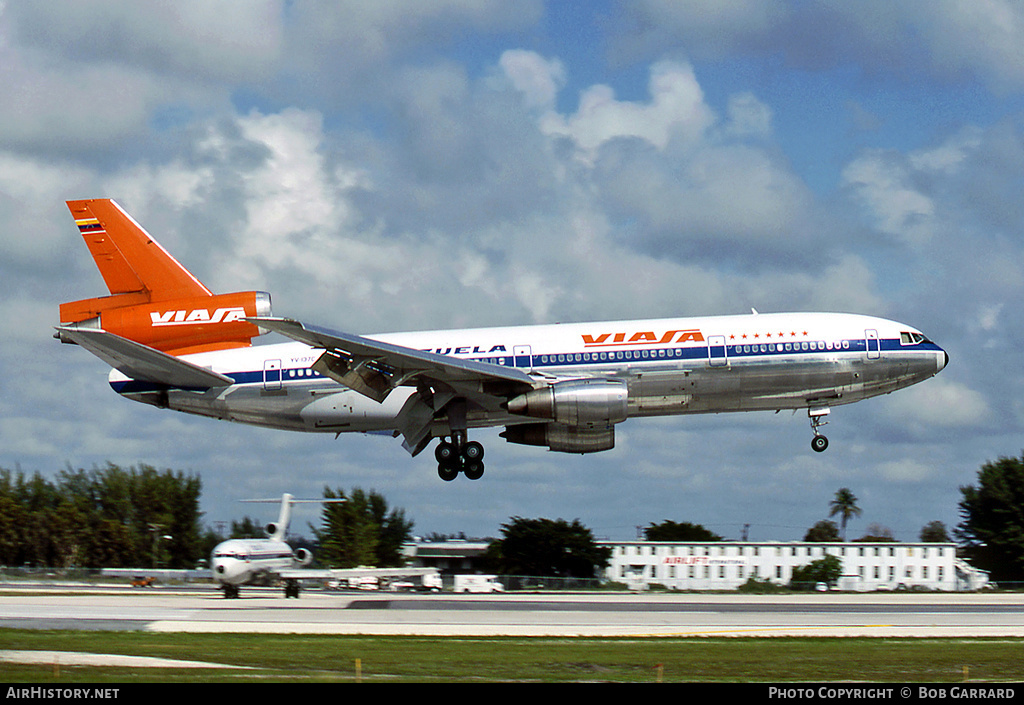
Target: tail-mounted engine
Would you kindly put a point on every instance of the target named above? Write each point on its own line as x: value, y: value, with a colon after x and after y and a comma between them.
x: 175, y: 326
x: 274, y: 530
x: 302, y: 556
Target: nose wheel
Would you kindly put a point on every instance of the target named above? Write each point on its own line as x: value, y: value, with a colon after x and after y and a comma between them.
x: 457, y: 455
x: 817, y: 416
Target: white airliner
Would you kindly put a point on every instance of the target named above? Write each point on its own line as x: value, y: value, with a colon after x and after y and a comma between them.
x: 238, y: 562
x: 176, y: 345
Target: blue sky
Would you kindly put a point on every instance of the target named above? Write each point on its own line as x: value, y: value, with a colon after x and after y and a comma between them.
x: 396, y: 166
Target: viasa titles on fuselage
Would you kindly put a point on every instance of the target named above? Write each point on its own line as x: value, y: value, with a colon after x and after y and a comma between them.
x: 175, y: 344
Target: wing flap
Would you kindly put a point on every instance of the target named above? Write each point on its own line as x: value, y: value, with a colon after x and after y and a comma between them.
x: 374, y: 368
x: 143, y: 363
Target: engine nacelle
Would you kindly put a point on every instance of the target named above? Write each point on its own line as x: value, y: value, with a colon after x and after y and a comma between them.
x: 581, y: 404
x: 560, y: 438
x: 273, y: 530
x: 302, y: 556
x: 174, y: 325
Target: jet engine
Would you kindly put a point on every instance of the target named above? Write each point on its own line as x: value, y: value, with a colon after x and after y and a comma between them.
x: 273, y: 530
x: 561, y: 438
x: 582, y: 404
x: 302, y: 556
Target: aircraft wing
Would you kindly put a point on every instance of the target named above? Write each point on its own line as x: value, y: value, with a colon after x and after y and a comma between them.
x: 303, y: 574
x: 374, y: 368
x: 141, y: 362
x: 334, y: 573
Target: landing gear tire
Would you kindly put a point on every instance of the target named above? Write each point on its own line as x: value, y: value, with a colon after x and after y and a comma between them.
x: 456, y: 456
x: 473, y: 452
x: 445, y: 453
x: 819, y: 444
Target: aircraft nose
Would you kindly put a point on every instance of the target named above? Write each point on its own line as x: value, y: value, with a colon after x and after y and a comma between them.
x: 943, y: 361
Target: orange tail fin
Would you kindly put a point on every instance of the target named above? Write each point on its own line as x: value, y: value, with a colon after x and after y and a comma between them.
x: 128, y: 258
x: 153, y: 299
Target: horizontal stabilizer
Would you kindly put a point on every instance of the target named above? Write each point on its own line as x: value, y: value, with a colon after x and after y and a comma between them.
x: 143, y: 363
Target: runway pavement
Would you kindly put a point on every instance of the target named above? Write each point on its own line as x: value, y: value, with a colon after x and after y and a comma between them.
x: 618, y: 614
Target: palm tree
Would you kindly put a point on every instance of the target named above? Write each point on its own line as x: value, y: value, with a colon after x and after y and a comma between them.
x: 845, y: 505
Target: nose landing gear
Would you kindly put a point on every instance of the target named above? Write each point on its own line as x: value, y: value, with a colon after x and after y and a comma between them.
x: 817, y: 416
x: 457, y: 455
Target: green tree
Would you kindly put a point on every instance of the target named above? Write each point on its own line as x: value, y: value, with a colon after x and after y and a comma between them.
x: 248, y: 528
x: 824, y: 570
x: 543, y: 547
x: 100, y: 517
x: 992, y: 513
x: 685, y: 531
x: 361, y: 531
x: 934, y: 532
x: 824, y: 531
x: 877, y: 533
x: 845, y: 505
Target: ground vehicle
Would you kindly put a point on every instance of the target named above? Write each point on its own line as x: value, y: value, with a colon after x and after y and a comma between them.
x: 477, y: 583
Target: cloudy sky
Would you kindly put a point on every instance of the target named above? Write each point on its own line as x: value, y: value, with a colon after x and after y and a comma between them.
x: 404, y: 165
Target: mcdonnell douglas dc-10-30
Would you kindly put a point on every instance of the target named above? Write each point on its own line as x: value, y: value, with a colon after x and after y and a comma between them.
x: 176, y: 345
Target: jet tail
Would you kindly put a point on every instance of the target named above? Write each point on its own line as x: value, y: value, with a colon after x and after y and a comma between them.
x: 276, y: 531
x: 153, y: 299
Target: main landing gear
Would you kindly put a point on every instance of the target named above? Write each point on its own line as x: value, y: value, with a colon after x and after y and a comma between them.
x: 456, y: 454
x: 817, y: 416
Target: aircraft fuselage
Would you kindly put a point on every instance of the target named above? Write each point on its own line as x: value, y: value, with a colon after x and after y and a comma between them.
x: 669, y: 366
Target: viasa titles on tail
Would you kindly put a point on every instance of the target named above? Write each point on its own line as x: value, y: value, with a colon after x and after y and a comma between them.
x: 176, y: 345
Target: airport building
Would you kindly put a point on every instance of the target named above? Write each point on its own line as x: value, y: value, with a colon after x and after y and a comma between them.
x: 451, y: 557
x: 727, y: 565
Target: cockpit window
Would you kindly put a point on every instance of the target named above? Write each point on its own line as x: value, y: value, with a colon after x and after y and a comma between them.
x: 908, y: 338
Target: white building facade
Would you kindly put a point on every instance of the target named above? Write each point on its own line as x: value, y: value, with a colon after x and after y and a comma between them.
x: 727, y: 565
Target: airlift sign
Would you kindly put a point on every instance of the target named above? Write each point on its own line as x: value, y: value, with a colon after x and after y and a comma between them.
x: 643, y: 338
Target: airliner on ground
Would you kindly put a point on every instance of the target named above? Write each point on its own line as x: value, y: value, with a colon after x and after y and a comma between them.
x: 174, y: 344
x: 238, y: 562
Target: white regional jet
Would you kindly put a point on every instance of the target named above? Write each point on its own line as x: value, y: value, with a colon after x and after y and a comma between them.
x: 174, y: 344
x: 238, y: 562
